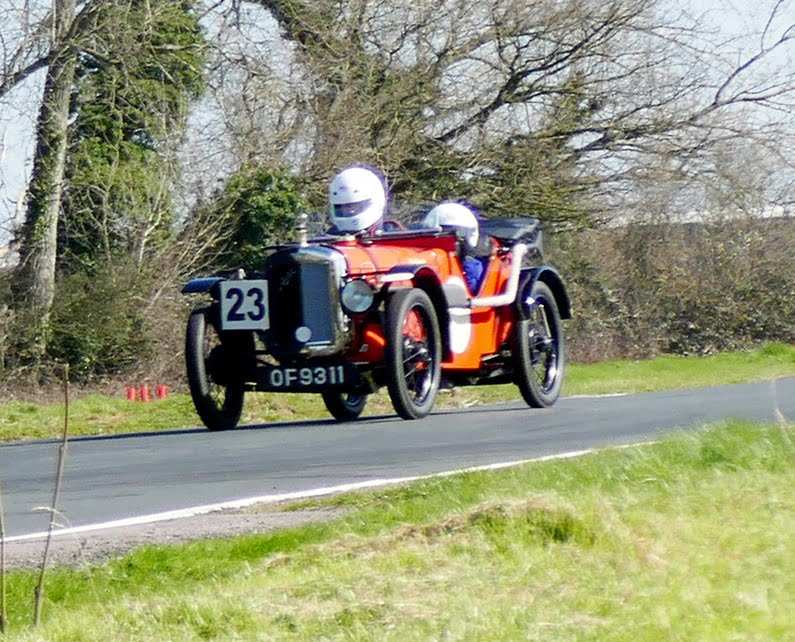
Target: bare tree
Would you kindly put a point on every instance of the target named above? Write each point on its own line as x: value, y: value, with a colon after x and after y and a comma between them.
x: 559, y: 108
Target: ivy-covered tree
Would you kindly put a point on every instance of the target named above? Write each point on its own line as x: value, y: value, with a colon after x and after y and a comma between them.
x: 34, y: 279
x: 137, y: 74
x: 121, y: 75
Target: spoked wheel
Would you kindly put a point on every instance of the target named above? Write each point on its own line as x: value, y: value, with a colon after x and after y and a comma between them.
x: 211, y: 365
x: 413, y: 353
x: 539, y: 349
x: 344, y: 406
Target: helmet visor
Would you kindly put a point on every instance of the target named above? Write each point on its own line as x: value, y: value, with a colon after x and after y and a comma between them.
x: 347, y: 210
x: 459, y: 230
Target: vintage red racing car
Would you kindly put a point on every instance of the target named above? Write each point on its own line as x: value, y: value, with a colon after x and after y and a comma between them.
x: 344, y: 316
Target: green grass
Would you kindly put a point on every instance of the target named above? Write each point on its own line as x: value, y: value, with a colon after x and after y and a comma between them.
x: 670, y: 372
x: 104, y: 415
x: 689, y: 538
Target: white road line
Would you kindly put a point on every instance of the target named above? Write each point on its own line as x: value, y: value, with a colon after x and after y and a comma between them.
x: 280, y: 497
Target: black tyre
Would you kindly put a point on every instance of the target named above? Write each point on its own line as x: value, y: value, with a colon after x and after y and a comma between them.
x: 413, y: 353
x: 538, y: 352
x: 344, y: 406
x: 211, y: 364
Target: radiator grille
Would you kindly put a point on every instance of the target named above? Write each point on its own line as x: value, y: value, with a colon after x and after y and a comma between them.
x: 303, y: 293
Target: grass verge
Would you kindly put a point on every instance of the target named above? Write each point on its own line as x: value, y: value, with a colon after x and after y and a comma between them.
x: 688, y: 538
x: 104, y: 415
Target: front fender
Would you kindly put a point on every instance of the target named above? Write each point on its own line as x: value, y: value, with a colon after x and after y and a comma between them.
x: 201, y: 285
x: 550, y: 277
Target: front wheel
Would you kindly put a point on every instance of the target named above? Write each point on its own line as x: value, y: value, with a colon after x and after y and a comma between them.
x: 539, y: 349
x: 218, y: 399
x: 413, y: 353
x: 344, y: 406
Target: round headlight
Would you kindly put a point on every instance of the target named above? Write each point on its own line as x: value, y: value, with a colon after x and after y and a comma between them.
x: 357, y: 296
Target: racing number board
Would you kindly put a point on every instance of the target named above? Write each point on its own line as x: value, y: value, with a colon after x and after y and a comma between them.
x: 244, y: 305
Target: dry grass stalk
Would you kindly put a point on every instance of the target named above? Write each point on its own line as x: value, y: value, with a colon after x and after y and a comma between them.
x: 39, y: 597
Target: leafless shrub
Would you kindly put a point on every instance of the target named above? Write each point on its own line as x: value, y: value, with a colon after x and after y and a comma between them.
x: 684, y: 288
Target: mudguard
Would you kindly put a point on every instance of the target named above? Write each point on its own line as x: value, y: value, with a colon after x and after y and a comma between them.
x: 204, y: 284
x: 550, y: 276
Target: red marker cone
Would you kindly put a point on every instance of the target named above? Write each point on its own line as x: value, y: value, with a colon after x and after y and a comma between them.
x: 132, y: 393
x: 144, y: 393
x: 162, y: 391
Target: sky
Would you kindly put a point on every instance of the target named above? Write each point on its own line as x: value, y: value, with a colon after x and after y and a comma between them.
x: 18, y: 114
x: 18, y: 111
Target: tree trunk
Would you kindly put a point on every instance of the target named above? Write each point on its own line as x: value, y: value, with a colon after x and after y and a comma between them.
x: 34, y: 283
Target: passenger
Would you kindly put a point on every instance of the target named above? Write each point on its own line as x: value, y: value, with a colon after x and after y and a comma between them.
x: 357, y: 201
x: 458, y: 217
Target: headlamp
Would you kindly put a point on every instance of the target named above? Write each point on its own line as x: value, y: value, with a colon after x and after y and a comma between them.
x: 357, y: 296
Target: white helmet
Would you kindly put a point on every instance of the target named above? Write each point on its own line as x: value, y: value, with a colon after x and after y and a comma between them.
x: 357, y: 199
x: 454, y: 216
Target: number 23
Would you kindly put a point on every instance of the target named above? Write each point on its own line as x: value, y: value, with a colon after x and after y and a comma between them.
x: 255, y: 308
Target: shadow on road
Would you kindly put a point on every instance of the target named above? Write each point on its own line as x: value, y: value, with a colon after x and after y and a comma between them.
x: 292, y: 425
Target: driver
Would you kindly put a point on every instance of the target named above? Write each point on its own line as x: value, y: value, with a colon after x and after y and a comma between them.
x: 357, y: 201
x: 461, y: 219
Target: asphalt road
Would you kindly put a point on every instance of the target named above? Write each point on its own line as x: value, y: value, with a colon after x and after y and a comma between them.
x: 109, y: 478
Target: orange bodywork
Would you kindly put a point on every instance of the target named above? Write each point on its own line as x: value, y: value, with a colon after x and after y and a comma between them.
x: 471, y: 333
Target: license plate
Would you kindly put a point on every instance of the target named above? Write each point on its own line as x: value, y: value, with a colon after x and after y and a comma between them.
x: 309, y: 378
x: 244, y: 305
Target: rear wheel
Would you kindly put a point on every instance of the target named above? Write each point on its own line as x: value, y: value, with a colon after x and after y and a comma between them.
x: 344, y: 406
x: 211, y: 364
x: 539, y: 349
x: 413, y: 353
